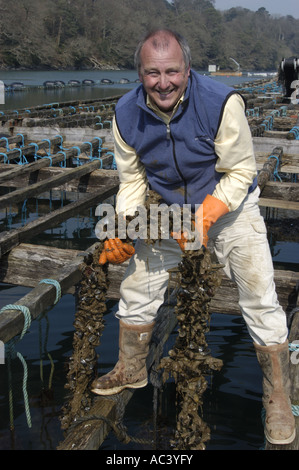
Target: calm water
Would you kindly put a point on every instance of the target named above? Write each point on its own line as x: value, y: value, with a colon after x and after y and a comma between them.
x: 36, y: 96
x: 232, y: 407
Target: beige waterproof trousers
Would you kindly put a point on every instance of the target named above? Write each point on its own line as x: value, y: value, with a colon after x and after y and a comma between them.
x: 240, y: 242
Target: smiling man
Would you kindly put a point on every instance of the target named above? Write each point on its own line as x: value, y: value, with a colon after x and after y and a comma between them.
x: 163, y: 72
x: 187, y: 137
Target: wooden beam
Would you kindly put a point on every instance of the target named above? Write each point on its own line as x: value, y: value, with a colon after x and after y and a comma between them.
x: 30, y: 148
x: 226, y: 297
x: 27, y: 264
x: 17, y: 139
x: 277, y: 190
x: 39, y: 300
x: 9, y: 240
x: 273, y: 161
x: 37, y: 188
x: 266, y: 144
x: 86, y: 183
x: 18, y: 266
x: 279, y: 204
x: 10, y: 172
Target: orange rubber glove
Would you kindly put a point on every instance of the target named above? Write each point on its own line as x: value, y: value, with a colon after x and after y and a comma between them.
x: 116, y: 252
x: 208, y: 213
x: 212, y: 209
x: 180, y: 239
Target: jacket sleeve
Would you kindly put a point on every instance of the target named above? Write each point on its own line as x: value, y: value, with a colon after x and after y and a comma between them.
x: 234, y: 148
x: 132, y: 176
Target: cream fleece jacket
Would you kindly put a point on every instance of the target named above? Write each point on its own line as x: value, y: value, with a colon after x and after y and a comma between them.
x: 233, y: 146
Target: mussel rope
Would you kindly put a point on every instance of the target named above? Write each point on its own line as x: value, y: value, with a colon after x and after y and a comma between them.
x: 88, y: 325
x: 73, y: 414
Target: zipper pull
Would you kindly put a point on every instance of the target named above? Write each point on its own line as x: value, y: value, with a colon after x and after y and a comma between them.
x: 168, y: 132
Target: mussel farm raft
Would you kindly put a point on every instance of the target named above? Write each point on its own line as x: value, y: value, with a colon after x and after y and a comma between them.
x: 69, y: 147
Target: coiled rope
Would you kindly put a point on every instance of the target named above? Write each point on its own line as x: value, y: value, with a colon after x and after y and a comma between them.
x: 54, y: 283
x: 11, y: 353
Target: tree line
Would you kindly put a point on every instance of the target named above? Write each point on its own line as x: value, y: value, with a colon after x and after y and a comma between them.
x: 85, y: 34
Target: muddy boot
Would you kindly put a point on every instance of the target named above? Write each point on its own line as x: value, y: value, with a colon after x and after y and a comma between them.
x: 130, y: 370
x: 279, y: 421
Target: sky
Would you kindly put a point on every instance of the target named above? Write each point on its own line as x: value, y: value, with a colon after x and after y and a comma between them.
x: 280, y: 7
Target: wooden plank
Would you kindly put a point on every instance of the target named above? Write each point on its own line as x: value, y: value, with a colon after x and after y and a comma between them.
x: 37, y: 188
x: 76, y: 135
x: 18, y: 267
x: 27, y: 264
x: 266, y: 144
x: 269, y: 167
x: 10, y: 239
x: 279, y: 204
x: 22, y: 170
x: 30, y: 148
x: 39, y: 300
x: 16, y: 171
x: 86, y: 183
x: 17, y: 139
x: 276, y: 134
x: 226, y: 297
x: 277, y: 190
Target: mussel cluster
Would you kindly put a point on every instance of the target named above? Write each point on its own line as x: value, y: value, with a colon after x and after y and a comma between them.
x: 89, y: 325
x: 190, y: 361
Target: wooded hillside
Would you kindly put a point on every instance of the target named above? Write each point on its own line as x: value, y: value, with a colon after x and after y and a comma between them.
x: 104, y: 33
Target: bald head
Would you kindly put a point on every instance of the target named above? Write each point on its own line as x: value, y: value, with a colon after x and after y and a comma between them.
x: 160, y: 40
x: 162, y: 69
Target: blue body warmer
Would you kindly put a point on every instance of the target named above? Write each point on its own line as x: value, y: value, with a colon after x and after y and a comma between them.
x: 179, y: 159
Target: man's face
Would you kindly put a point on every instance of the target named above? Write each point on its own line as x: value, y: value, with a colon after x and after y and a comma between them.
x: 163, y: 73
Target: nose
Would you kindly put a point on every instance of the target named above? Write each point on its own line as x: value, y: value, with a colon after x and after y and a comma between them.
x: 163, y: 82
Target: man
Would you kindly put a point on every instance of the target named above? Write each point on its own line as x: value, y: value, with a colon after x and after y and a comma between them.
x: 188, y: 137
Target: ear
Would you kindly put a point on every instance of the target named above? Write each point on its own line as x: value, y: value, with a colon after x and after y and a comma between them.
x: 140, y: 75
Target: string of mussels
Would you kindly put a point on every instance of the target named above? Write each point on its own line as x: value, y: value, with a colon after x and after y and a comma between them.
x: 188, y: 362
x: 89, y: 325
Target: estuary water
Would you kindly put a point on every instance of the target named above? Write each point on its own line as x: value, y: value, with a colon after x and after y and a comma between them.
x: 232, y: 406
x: 37, y: 94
